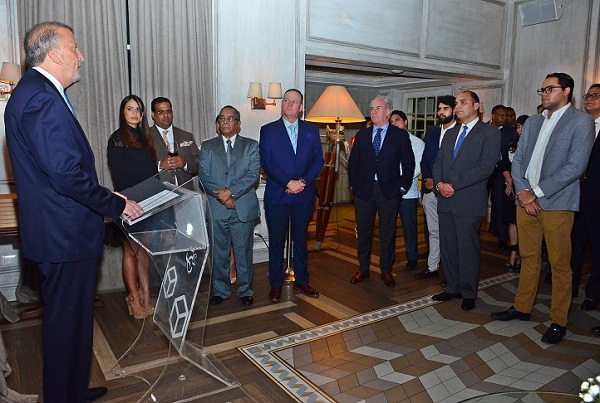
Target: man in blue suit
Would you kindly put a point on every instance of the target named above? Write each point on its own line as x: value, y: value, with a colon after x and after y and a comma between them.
x: 433, y: 141
x: 61, y: 206
x: 378, y: 184
x: 291, y: 155
x: 229, y: 169
x: 551, y: 157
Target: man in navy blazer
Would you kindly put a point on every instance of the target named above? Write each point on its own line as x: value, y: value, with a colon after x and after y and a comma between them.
x: 433, y: 141
x: 465, y: 161
x: 292, y: 157
x: 551, y: 157
x: 61, y: 206
x: 378, y: 185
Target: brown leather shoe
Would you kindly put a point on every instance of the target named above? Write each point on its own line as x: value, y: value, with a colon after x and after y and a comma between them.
x: 275, y: 294
x: 360, y: 276
x: 306, y: 290
x: 388, y: 279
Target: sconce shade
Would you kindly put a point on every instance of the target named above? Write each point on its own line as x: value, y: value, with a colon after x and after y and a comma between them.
x: 335, y: 103
x: 255, y: 90
x: 274, y: 91
x: 10, y: 73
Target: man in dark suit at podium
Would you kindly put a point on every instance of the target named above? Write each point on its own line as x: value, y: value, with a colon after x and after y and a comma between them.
x: 61, y: 206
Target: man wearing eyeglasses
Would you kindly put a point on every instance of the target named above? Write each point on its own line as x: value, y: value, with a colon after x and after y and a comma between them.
x: 176, y: 149
x: 229, y: 168
x: 291, y: 155
x: 552, y: 155
x: 587, y: 221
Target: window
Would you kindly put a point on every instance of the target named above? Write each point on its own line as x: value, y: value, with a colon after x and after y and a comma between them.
x: 422, y: 114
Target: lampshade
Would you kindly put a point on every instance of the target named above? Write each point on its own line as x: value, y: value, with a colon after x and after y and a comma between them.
x: 10, y: 73
x: 255, y: 90
x: 335, y: 103
x: 274, y: 91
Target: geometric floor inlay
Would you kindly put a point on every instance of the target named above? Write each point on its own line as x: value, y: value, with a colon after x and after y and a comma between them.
x: 423, y: 350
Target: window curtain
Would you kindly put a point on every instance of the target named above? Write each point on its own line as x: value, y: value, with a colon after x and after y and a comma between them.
x: 100, y: 31
x: 171, y: 56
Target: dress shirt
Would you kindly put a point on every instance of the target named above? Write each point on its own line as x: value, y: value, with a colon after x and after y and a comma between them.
x: 534, y: 169
x: 54, y: 81
x: 382, y: 135
x: 597, y: 123
x: 469, y: 127
x: 232, y: 141
x: 443, y: 132
x: 287, y: 127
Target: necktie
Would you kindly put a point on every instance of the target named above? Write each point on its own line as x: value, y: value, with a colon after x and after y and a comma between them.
x: 293, y: 138
x: 165, y: 136
x: 69, y: 104
x: 460, y: 140
x: 228, y: 154
x: 377, y: 142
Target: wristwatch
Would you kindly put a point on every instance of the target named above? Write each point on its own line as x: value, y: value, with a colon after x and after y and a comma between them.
x: 532, y: 192
x: 302, y: 181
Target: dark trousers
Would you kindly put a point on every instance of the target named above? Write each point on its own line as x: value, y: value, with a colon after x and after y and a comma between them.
x: 278, y: 217
x: 68, y: 295
x: 366, y: 210
x: 408, y: 216
x: 460, y: 252
x: 586, y: 228
x: 496, y: 197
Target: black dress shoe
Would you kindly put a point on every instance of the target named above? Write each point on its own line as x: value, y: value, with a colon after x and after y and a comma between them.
x: 306, y: 290
x: 589, y: 304
x: 247, y: 300
x: 95, y: 393
x: 388, y: 279
x: 411, y: 265
x: 596, y: 330
x: 426, y: 274
x: 510, y: 314
x: 359, y: 276
x: 275, y: 294
x: 467, y: 304
x: 554, y: 334
x: 445, y: 296
x: 216, y: 300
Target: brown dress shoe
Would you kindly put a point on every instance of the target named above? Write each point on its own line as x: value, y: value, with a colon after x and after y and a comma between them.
x: 275, y: 294
x: 388, y: 279
x: 306, y: 290
x: 360, y: 276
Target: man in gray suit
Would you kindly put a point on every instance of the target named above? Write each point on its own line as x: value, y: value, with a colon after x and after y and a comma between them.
x: 176, y: 149
x: 466, y: 159
x: 552, y: 155
x: 229, y: 168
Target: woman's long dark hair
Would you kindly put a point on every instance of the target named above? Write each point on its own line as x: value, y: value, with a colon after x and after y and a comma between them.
x: 142, y: 128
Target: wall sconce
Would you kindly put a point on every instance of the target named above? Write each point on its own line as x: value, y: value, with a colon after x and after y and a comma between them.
x: 255, y: 95
x: 10, y: 74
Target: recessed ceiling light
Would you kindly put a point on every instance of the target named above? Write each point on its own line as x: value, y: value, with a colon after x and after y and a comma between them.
x: 396, y: 71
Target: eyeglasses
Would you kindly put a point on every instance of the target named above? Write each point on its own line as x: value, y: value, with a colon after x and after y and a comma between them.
x: 592, y: 96
x: 548, y: 89
x: 168, y: 112
x: 227, y: 118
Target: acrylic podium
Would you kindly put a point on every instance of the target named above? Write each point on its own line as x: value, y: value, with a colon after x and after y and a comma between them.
x: 175, y: 232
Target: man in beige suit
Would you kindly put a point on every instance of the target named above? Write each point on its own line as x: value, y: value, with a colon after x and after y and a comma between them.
x: 184, y: 151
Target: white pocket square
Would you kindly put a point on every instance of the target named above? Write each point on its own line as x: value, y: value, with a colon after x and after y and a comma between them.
x: 186, y: 144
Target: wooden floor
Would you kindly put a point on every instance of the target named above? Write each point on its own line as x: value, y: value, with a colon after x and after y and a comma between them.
x: 230, y: 325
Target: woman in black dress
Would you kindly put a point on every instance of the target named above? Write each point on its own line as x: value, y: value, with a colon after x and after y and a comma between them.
x: 509, y: 208
x: 131, y: 160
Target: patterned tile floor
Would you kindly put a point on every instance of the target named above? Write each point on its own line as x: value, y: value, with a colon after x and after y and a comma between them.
x: 429, y: 351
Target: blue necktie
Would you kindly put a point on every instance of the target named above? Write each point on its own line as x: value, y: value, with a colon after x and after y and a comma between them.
x: 293, y: 138
x: 460, y: 140
x: 69, y: 104
x: 377, y: 142
x: 228, y: 155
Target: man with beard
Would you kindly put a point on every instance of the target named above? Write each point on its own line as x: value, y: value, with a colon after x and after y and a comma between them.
x: 433, y: 140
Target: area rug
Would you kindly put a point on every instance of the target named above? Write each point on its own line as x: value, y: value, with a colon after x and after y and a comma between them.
x: 424, y: 350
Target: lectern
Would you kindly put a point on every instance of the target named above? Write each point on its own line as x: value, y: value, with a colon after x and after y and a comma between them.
x: 175, y: 231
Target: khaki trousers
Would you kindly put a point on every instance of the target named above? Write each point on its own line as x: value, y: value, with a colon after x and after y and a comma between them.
x: 555, y: 227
